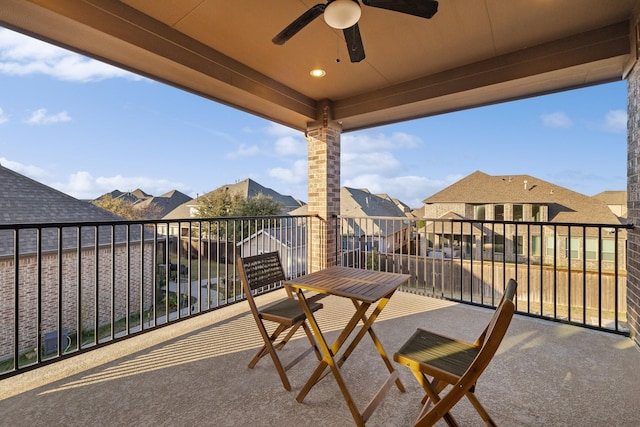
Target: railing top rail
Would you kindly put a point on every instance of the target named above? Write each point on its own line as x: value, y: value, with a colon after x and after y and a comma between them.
x: 63, y: 224
x: 487, y: 221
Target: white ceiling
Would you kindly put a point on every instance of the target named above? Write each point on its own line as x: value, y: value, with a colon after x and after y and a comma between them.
x: 471, y: 53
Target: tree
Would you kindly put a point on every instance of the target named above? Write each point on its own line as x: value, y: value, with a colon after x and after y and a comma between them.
x: 221, y: 204
x: 218, y: 203
x: 128, y: 210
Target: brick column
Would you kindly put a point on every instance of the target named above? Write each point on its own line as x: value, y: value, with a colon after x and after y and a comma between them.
x: 324, y: 190
x: 633, y: 203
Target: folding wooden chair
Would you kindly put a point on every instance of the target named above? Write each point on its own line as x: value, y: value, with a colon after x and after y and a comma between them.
x: 263, y: 270
x: 455, y: 363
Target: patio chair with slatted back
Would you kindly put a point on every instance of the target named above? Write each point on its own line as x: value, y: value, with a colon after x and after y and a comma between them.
x: 258, y: 272
x: 448, y: 369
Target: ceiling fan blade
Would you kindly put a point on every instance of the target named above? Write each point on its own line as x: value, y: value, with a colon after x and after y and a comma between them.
x: 422, y: 9
x: 304, y: 19
x: 354, y: 43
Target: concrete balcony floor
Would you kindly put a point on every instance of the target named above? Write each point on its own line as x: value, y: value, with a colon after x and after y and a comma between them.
x: 195, y: 373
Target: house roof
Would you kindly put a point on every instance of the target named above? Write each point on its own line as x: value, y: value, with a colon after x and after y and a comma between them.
x: 249, y: 188
x: 564, y: 205
x: 26, y: 201
x: 166, y: 202
x: 361, y: 202
x: 612, y: 197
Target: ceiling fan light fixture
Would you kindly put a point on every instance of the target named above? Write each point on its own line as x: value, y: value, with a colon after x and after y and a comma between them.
x: 341, y: 14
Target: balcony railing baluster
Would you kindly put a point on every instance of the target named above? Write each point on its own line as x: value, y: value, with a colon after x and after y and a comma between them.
x: 91, y: 284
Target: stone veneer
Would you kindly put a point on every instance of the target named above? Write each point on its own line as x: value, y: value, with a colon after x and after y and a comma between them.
x: 633, y: 203
x: 324, y: 191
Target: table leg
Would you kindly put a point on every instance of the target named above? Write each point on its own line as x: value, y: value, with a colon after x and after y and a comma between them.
x: 327, y: 360
x: 368, y: 327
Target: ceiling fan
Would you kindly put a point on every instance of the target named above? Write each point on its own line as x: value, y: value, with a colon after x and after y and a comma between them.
x: 344, y: 15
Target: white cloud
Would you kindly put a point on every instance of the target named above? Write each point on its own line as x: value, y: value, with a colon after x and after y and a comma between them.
x: 275, y: 129
x: 357, y: 163
x: 244, y: 151
x: 411, y: 190
x: 297, y: 174
x: 556, y: 120
x: 27, y: 170
x: 615, y: 121
x: 366, y: 143
x: 22, y: 55
x: 82, y: 185
x: 40, y: 117
x: 3, y: 118
x: 291, y: 146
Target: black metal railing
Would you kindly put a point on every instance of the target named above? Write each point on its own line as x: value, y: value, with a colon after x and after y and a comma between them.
x: 74, y: 287
x: 69, y: 288
x: 574, y: 273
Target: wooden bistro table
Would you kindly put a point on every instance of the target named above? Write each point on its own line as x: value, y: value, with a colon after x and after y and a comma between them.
x: 364, y: 288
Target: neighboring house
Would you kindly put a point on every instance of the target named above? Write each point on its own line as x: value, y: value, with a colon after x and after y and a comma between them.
x: 371, y: 221
x: 513, y: 199
x: 289, y: 241
x: 128, y: 196
x: 164, y: 203
x: 616, y: 200
x: 247, y: 189
x: 25, y: 201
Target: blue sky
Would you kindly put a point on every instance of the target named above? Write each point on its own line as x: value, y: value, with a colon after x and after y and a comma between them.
x: 87, y: 128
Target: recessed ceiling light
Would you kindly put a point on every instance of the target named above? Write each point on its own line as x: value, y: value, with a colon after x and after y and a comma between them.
x: 318, y: 72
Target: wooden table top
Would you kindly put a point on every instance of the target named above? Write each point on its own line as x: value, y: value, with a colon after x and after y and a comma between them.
x: 364, y: 285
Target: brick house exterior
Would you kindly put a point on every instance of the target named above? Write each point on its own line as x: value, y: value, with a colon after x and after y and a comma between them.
x: 528, y: 199
x: 50, y: 265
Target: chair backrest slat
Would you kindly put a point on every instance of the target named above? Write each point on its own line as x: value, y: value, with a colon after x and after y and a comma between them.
x: 263, y: 270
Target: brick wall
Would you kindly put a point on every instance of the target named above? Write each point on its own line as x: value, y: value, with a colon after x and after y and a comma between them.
x: 633, y: 203
x: 126, y: 291
x: 324, y: 191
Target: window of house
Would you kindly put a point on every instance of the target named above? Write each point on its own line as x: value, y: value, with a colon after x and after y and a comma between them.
x: 572, y: 247
x: 479, y: 212
x: 518, y: 213
x: 536, y: 213
x: 498, y: 212
x: 498, y: 243
x: 591, y: 249
x: 536, y: 246
x: 550, y: 247
x: 518, y: 245
x: 608, y: 249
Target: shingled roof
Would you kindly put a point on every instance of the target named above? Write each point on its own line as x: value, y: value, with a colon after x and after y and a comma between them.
x: 564, y: 205
x: 247, y: 188
x: 165, y: 202
x: 25, y: 201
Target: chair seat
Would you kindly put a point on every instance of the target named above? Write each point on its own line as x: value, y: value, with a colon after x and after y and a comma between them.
x: 448, y: 369
x: 431, y: 350
x: 286, y: 311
